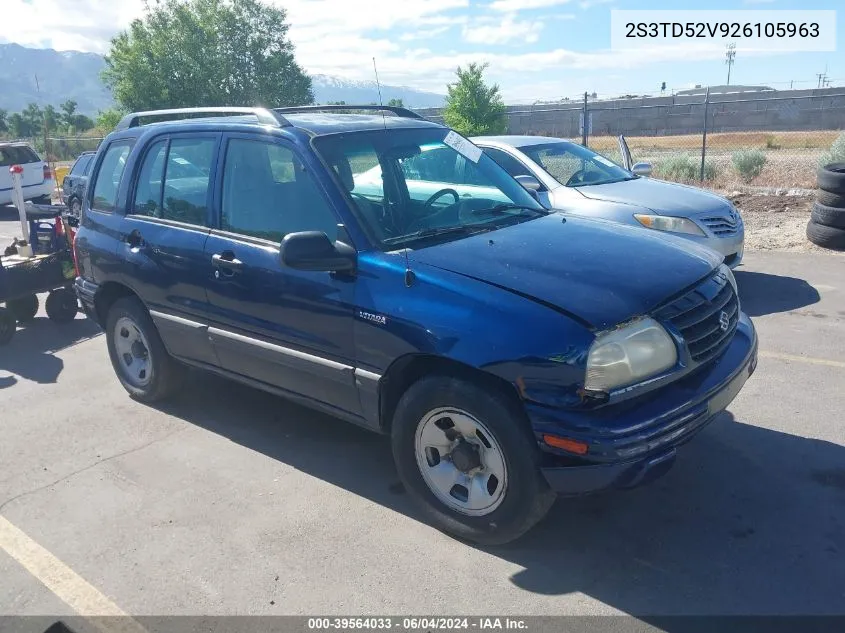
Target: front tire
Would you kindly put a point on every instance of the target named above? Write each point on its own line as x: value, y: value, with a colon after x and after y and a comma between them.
x: 138, y: 356
x: 467, y: 457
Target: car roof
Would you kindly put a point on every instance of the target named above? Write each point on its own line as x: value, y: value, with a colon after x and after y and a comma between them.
x: 518, y: 141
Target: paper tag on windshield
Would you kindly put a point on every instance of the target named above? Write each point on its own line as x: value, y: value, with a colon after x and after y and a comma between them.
x: 463, y: 146
x: 604, y: 161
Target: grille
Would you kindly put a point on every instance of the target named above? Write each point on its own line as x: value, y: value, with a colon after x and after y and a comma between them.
x: 697, y: 316
x: 722, y: 225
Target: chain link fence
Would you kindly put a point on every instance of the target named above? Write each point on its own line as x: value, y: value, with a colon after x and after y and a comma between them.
x: 724, y: 140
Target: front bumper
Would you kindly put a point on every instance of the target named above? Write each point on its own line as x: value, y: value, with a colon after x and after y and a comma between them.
x: 731, y: 248
x: 634, y: 442
x: 86, y: 292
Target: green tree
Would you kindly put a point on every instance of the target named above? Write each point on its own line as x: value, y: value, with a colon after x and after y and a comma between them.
x: 33, y: 117
x: 107, y: 120
x: 4, y: 126
x: 51, y: 119
x: 68, y: 109
x: 18, y: 126
x: 472, y: 107
x: 82, y: 123
x: 396, y: 103
x: 206, y: 53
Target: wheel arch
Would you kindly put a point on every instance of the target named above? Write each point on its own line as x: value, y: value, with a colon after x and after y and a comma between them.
x: 407, y: 370
x: 107, y: 294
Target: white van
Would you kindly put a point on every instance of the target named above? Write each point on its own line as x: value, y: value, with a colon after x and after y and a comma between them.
x: 38, y: 181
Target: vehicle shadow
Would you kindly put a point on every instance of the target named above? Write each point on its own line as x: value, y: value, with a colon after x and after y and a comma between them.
x: 750, y: 521
x: 762, y: 293
x: 31, y: 352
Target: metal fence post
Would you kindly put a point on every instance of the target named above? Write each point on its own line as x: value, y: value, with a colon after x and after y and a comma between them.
x: 704, y: 135
x: 584, y: 123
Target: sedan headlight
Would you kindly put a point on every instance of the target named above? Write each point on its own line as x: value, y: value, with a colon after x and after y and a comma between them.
x: 669, y: 223
x: 628, y: 355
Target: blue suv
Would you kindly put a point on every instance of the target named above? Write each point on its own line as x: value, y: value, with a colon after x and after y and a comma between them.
x: 383, y: 269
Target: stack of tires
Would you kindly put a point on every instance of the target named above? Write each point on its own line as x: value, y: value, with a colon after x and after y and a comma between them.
x: 827, y: 222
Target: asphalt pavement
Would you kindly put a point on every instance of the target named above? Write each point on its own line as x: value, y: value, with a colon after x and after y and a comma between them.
x: 232, y: 501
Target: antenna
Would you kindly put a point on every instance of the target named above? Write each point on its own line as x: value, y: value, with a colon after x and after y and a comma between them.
x: 378, y: 85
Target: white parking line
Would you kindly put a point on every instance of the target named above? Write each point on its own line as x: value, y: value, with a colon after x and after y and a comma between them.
x: 66, y: 584
x: 803, y: 359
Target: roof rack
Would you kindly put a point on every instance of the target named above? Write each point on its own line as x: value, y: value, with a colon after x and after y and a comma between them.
x: 398, y: 111
x: 264, y: 116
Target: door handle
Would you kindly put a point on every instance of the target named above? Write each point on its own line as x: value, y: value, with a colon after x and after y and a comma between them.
x: 135, y: 239
x: 227, y: 262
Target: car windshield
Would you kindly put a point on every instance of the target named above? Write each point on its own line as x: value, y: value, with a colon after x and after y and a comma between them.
x: 413, y: 186
x: 574, y: 165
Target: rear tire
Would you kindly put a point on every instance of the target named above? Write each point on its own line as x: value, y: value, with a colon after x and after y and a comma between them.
x: 62, y: 305
x: 8, y: 325
x: 829, y: 216
x: 42, y: 200
x: 826, y: 236
x: 24, y: 309
x: 509, y: 504
x: 138, y: 356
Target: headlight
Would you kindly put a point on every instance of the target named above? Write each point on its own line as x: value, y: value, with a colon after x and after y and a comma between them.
x: 669, y: 223
x: 628, y: 355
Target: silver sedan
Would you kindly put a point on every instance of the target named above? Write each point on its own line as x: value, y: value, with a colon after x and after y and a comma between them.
x: 572, y: 178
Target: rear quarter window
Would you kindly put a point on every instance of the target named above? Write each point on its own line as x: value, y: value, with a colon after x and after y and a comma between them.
x: 81, y: 165
x: 17, y: 155
x: 109, y: 175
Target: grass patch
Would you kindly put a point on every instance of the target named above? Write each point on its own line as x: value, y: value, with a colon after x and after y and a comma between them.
x: 749, y: 163
x: 685, y: 168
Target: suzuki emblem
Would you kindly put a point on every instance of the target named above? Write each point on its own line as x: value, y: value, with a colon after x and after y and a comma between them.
x: 724, y: 321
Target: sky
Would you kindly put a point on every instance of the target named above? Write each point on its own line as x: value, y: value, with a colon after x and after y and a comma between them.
x: 536, y: 49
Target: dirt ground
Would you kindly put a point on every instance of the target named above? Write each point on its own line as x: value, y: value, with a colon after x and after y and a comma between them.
x: 775, y: 222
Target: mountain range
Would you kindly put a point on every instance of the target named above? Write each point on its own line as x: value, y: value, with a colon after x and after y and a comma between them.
x: 46, y: 76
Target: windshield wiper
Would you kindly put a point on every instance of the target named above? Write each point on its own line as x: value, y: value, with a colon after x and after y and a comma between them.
x: 504, y: 208
x: 460, y: 229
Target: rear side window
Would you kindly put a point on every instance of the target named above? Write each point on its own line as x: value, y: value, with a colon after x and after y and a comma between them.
x: 149, y: 190
x: 104, y: 196
x: 81, y: 164
x: 17, y: 155
x: 507, y: 162
x: 173, y: 183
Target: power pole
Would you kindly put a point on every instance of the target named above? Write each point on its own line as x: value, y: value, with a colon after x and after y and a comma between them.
x: 730, y: 56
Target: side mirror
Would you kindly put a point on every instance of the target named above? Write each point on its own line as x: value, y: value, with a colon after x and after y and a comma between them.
x: 529, y: 182
x: 313, y: 250
x: 642, y: 169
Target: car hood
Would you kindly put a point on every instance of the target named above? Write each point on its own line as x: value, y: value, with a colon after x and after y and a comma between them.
x: 665, y: 198
x: 603, y: 273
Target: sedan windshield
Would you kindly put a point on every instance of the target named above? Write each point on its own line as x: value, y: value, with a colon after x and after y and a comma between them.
x: 413, y: 186
x: 574, y: 165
